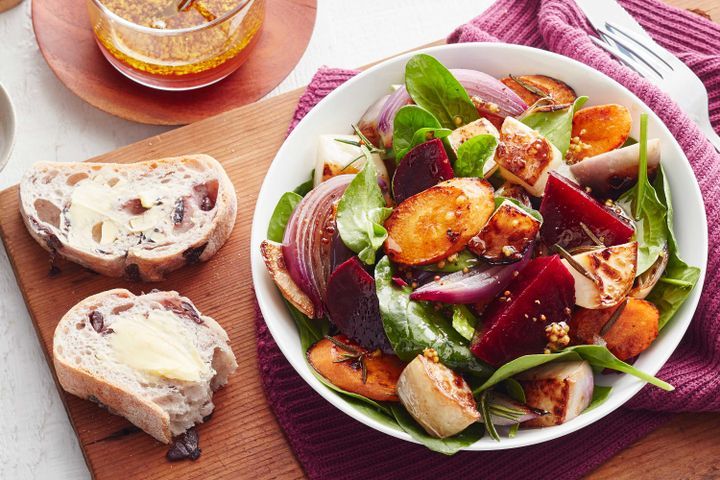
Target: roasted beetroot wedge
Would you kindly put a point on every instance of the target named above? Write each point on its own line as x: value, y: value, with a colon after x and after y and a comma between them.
x: 423, y: 166
x: 514, y: 323
x: 353, y: 306
x: 566, y: 207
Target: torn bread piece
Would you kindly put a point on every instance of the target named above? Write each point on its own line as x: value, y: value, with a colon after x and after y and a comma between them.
x: 138, y: 220
x: 153, y: 358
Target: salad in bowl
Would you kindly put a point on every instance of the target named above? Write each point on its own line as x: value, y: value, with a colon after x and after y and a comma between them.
x: 478, y: 254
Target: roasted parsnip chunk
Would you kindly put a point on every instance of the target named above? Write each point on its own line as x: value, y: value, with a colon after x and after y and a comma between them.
x: 439, y: 221
x: 337, y: 158
x: 563, y: 389
x: 604, y: 276
x: 348, y: 365
x: 506, y: 236
x: 275, y: 262
x: 627, y: 329
x: 437, y: 398
x: 525, y: 157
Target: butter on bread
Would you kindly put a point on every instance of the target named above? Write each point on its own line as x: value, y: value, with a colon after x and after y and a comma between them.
x: 152, y: 358
x: 137, y: 220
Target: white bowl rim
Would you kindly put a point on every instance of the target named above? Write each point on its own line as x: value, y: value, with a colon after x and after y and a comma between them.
x: 6, y: 148
x: 616, y: 399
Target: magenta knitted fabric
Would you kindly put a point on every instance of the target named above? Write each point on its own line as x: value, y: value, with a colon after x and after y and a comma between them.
x: 331, y: 445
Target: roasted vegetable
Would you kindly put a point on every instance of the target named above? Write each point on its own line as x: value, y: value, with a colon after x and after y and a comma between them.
x: 423, y: 166
x: 514, y: 323
x: 437, y: 398
x: 507, y: 234
x: 613, y: 172
x: 564, y: 389
x: 599, y: 129
x: 337, y: 158
x: 647, y: 280
x: 272, y: 255
x: 531, y: 87
x: 627, y: 329
x: 603, y: 276
x: 351, y: 367
x: 514, y: 191
x: 566, y: 208
x: 439, y: 221
x: 525, y: 157
x: 353, y: 305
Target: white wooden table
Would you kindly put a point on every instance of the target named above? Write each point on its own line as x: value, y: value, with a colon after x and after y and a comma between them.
x: 37, y: 440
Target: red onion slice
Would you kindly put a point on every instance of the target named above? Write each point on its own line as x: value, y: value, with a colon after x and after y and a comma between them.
x: 395, y: 102
x: 478, y: 285
x: 307, y: 244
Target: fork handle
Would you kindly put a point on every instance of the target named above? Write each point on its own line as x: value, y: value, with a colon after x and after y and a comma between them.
x: 710, y: 134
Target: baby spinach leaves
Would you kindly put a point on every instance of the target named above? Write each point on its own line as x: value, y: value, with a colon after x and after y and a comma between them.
x: 411, y: 126
x: 679, y: 278
x: 361, y: 213
x: 447, y: 446
x: 472, y: 155
x: 555, y: 125
x: 463, y: 321
x: 434, y: 88
x: 600, y: 394
x: 283, y: 210
x: 413, y: 326
x: 598, y: 356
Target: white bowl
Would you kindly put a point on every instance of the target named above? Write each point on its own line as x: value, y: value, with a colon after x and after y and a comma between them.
x: 7, y: 127
x: 344, y: 106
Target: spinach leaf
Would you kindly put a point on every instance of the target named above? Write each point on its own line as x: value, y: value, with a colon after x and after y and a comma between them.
x: 413, y: 326
x: 464, y: 260
x: 516, y: 392
x: 310, y: 330
x: 650, y: 214
x: 284, y: 208
x: 463, y: 321
x: 679, y: 278
x: 361, y: 213
x: 555, y: 126
x: 408, y: 120
x: 447, y: 446
x: 472, y: 155
x: 434, y: 88
x: 600, y: 394
x: 598, y: 356
x: 499, y: 199
x: 305, y: 187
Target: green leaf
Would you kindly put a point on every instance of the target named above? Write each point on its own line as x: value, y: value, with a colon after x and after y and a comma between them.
x: 413, y: 326
x: 598, y: 356
x: 465, y: 259
x: 499, y: 199
x: 650, y: 214
x: 464, y: 321
x: 407, y: 122
x: 361, y: 213
x: 555, y: 126
x: 434, y: 88
x: 310, y: 330
x: 472, y: 155
x: 305, y: 187
x: 600, y: 394
x: 447, y: 446
x: 278, y: 221
x: 679, y: 278
x: 516, y: 392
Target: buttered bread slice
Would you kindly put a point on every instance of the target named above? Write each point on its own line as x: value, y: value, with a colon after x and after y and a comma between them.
x: 153, y: 358
x: 138, y: 220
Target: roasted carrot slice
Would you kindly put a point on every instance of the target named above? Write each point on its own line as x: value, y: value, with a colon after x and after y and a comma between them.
x: 599, y: 129
x: 632, y: 332
x: 559, y: 91
x: 355, y: 369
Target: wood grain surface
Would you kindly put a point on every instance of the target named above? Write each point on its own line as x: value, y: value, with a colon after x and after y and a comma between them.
x: 62, y: 29
x: 243, y: 439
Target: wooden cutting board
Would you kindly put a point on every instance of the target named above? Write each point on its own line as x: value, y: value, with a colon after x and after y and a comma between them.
x: 243, y: 439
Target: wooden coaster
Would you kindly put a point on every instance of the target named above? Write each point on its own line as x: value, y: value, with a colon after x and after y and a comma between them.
x: 63, y: 33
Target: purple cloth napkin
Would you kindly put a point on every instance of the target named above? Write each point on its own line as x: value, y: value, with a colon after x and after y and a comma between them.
x: 331, y: 445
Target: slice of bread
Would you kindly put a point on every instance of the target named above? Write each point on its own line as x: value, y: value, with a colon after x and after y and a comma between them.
x: 138, y: 220
x: 152, y: 358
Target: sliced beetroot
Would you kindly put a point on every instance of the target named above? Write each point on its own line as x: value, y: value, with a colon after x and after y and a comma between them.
x: 514, y: 323
x: 339, y: 252
x: 566, y: 206
x: 352, y: 305
x: 423, y: 166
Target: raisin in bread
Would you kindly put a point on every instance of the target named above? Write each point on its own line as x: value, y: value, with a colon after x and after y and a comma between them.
x: 137, y: 220
x: 152, y: 358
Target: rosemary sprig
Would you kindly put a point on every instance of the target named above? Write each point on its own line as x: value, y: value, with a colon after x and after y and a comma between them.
x: 487, y: 417
x: 591, y: 235
x: 575, y: 265
x: 503, y: 411
x: 531, y: 88
x: 613, y: 318
x: 351, y: 354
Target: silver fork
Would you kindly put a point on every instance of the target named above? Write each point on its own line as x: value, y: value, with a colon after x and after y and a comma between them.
x: 625, y: 40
